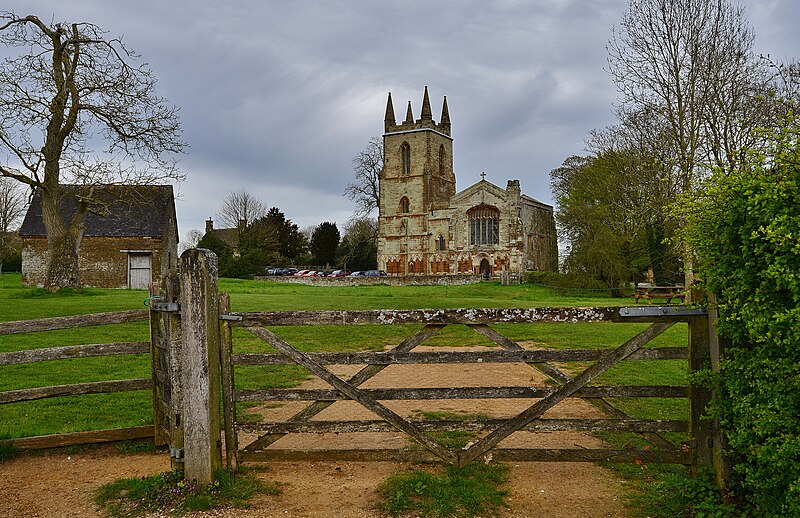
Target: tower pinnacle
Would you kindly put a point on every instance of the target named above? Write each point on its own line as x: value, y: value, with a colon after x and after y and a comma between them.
x: 409, y: 115
x: 426, y: 114
x: 445, y: 120
x: 389, y: 120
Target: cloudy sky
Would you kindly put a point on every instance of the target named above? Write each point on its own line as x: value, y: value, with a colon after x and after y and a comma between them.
x: 276, y: 97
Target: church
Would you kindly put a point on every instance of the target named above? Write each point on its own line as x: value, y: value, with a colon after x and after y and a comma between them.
x: 426, y: 227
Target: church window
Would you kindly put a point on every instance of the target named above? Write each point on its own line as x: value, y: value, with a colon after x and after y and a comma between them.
x: 405, y: 159
x: 442, y: 158
x: 484, y: 225
x: 404, y: 205
x: 440, y: 243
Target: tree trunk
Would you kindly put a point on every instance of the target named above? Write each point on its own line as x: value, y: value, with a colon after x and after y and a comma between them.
x: 63, y: 243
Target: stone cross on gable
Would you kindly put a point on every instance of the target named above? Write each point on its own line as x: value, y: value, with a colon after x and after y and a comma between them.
x: 483, y: 176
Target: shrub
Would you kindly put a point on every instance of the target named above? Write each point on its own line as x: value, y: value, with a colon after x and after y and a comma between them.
x: 745, y: 229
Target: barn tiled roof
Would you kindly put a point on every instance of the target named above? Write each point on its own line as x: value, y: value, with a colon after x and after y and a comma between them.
x: 133, y: 211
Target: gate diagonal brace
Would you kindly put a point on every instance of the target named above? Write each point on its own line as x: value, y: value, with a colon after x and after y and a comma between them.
x: 540, y: 407
x: 357, y: 379
x: 559, y: 376
x: 356, y: 394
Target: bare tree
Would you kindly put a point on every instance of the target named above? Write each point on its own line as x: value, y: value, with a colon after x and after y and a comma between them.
x: 67, y: 85
x: 12, y: 208
x: 688, y: 61
x: 12, y: 204
x: 685, y: 59
x: 190, y: 241
x: 368, y: 166
x: 240, y: 206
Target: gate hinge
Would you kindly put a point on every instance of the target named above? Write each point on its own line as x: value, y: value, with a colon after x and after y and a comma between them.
x: 175, y: 453
x: 165, y: 307
x: 661, y: 311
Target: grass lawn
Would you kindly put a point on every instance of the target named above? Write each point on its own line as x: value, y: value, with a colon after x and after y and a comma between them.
x: 76, y: 413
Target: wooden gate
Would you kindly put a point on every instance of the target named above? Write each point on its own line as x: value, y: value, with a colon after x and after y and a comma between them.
x: 206, y: 359
x: 509, y: 351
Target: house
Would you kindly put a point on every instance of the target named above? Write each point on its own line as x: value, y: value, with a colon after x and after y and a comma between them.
x: 131, y: 236
x: 426, y: 227
x: 229, y: 236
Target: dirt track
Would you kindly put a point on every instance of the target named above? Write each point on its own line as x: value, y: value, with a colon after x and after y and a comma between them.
x: 61, y: 485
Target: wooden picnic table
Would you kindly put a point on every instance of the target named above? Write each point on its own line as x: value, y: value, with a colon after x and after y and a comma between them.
x: 654, y: 291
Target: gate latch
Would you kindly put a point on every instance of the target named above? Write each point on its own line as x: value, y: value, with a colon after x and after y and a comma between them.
x: 661, y: 311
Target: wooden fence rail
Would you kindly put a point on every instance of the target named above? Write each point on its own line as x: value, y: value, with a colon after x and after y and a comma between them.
x: 72, y: 352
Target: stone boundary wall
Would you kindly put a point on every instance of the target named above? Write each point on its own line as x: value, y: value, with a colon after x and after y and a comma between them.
x: 411, y: 280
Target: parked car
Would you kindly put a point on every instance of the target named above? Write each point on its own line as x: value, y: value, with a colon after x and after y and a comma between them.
x: 374, y: 273
x: 309, y: 273
x: 301, y: 273
x: 340, y: 273
x: 356, y: 274
x: 288, y: 271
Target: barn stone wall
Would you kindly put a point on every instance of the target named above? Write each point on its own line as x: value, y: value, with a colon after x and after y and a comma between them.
x: 103, y: 261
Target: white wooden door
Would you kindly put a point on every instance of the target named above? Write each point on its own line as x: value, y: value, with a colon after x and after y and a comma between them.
x: 139, y: 270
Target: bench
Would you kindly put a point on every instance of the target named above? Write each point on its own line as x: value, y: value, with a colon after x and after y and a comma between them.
x: 653, y: 291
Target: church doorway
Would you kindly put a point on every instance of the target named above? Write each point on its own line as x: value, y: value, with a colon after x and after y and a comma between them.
x: 486, y: 269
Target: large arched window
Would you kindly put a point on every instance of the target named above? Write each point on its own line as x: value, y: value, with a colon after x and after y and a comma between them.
x: 484, y: 225
x: 442, y: 158
x: 405, y: 159
x: 404, y: 205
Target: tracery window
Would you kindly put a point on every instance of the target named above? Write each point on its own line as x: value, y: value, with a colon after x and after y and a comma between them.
x: 404, y: 205
x: 405, y: 159
x: 484, y: 225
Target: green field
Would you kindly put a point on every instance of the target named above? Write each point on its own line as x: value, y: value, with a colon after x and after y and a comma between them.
x: 77, y: 413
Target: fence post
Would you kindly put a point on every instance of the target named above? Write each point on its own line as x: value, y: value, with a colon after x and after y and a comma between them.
x: 701, y: 429
x: 200, y: 362
x: 717, y: 349
x: 165, y: 343
x: 228, y: 385
x: 158, y: 347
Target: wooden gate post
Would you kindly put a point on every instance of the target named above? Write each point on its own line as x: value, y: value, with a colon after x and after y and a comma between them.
x: 165, y: 347
x: 701, y: 429
x: 200, y: 362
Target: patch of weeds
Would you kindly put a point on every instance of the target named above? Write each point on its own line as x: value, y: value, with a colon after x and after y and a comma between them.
x: 473, y: 490
x: 75, y: 449
x: 246, y: 414
x: 7, y: 450
x: 455, y: 439
x: 135, y: 446
x: 172, y: 493
x: 669, y: 491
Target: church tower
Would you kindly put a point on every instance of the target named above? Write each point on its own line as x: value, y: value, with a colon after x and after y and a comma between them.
x: 417, y: 180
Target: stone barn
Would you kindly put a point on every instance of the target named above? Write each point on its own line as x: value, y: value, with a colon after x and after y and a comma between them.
x: 131, y: 237
x: 426, y: 227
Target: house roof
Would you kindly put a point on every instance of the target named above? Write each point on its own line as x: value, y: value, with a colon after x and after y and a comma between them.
x: 114, y: 211
x: 229, y: 236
